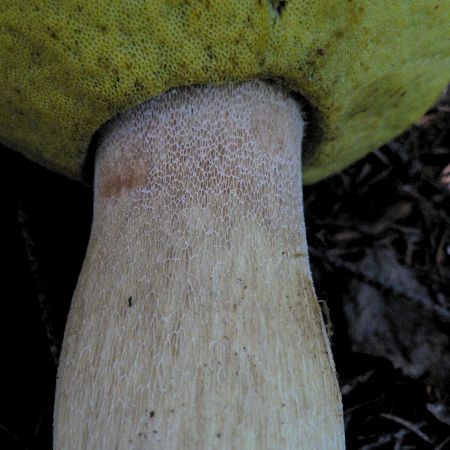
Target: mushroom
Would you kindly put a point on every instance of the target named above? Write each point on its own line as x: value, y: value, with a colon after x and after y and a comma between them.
x: 194, y: 323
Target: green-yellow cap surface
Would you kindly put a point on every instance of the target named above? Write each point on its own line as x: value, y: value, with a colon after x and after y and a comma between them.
x: 369, y: 68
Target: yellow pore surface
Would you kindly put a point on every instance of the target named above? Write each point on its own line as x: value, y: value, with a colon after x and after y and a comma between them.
x: 368, y: 68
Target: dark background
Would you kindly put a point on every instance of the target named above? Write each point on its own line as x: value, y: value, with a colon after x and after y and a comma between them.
x: 379, y: 237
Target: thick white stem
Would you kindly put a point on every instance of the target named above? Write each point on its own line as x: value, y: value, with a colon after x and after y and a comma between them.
x: 194, y: 324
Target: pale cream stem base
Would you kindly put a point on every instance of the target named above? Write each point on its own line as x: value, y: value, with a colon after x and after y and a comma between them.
x: 194, y: 324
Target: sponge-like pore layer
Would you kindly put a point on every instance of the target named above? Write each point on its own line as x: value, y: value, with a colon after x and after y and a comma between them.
x: 369, y: 69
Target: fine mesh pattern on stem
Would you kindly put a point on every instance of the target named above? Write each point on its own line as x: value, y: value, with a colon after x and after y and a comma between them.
x: 194, y: 324
x: 244, y: 165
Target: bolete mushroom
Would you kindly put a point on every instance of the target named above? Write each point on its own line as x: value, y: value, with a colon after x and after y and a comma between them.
x: 194, y: 324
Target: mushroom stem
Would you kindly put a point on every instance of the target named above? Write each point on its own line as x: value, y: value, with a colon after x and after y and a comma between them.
x: 194, y: 323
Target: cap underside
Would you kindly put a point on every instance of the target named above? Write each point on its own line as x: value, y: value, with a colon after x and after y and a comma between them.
x: 368, y: 69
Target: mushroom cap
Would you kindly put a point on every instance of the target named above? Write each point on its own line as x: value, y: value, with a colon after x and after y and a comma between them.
x: 368, y: 68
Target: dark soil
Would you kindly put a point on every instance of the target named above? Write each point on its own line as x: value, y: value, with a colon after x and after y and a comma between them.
x: 394, y: 203
x: 378, y: 231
